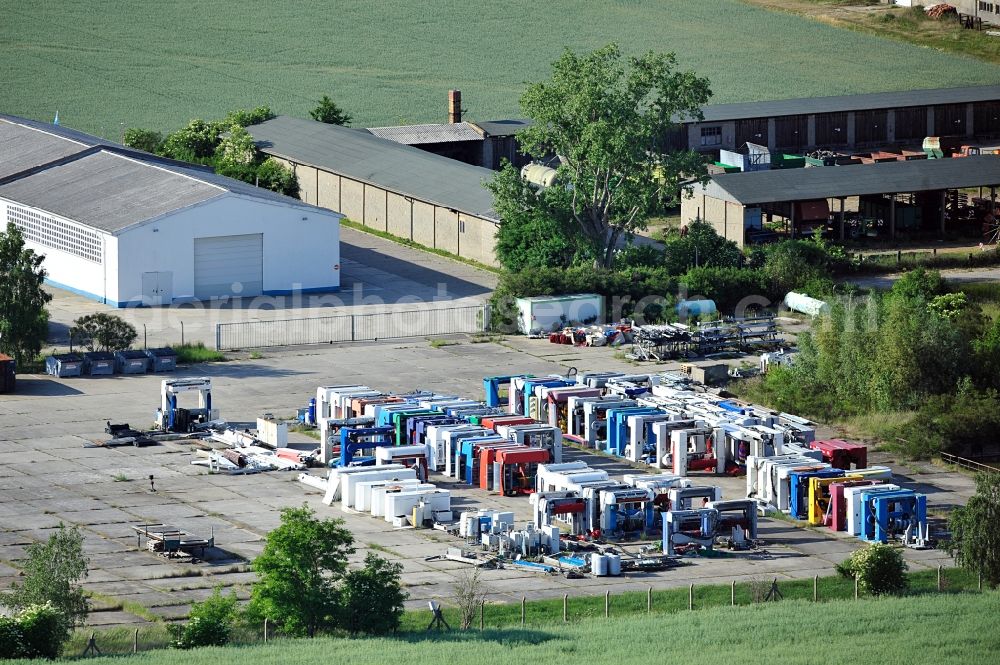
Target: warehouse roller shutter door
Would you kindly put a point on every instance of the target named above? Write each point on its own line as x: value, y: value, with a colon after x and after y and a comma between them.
x: 229, y: 266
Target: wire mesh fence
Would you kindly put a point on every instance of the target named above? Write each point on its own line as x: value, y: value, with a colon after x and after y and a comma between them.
x: 367, y: 327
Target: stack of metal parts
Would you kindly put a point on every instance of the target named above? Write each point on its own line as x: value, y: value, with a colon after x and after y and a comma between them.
x: 659, y: 342
x: 676, y: 340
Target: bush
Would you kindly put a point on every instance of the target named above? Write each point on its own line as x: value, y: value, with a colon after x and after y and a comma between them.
x: 879, y: 569
x: 701, y: 246
x: 728, y: 287
x: 38, y: 631
x: 645, y: 294
x: 103, y: 332
x: 210, y: 623
x: 143, y: 139
x: 372, y: 597
x: 960, y: 424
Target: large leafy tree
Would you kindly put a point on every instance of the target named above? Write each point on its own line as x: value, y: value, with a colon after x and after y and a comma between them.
x: 51, y: 574
x: 975, y: 537
x: 298, y: 571
x: 605, y: 116
x: 23, y: 319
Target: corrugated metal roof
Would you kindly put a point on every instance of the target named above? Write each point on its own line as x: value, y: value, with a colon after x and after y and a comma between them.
x: 66, y: 188
x: 832, y: 181
x: 423, y: 134
x: 842, y: 103
x: 108, y: 191
x: 380, y: 162
x: 23, y: 148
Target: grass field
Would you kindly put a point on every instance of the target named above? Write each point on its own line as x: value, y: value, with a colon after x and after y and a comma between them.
x: 547, y: 613
x: 157, y: 64
x: 951, y: 628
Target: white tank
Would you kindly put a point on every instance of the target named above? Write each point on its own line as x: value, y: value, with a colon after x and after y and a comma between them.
x: 598, y: 565
x: 696, y: 307
x: 614, y: 565
x: 539, y: 174
x: 800, y: 302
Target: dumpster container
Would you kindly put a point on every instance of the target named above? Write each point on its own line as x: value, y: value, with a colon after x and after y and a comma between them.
x: 64, y: 364
x: 132, y: 362
x: 99, y: 363
x: 162, y: 360
x: 6, y: 374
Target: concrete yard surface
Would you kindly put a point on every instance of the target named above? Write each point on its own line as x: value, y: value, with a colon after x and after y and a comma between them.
x: 48, y: 477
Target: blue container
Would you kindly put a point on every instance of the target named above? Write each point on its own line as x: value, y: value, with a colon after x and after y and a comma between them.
x: 64, y: 364
x: 162, y: 360
x: 132, y: 362
x: 99, y: 363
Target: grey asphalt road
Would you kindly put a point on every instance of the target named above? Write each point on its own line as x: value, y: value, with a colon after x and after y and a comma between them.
x: 952, y: 274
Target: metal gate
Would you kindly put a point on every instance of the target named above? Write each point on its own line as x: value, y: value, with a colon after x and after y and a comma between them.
x: 352, y: 327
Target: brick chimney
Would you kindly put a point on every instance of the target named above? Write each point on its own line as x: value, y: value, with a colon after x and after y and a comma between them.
x: 454, y: 106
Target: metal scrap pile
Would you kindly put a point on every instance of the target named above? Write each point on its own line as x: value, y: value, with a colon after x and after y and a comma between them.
x: 678, y: 340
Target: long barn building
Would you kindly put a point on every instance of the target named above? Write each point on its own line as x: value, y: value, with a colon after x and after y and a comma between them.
x: 387, y: 186
x: 845, y: 122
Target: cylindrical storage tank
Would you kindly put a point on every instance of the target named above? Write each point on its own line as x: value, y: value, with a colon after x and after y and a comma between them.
x: 539, y: 174
x: 598, y: 565
x: 614, y: 565
x: 800, y: 302
x: 696, y: 307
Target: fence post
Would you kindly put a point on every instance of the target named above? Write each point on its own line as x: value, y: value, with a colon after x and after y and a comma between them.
x: 815, y: 588
x: 565, y: 607
x: 691, y: 597
x: 939, y: 578
x: 522, y: 610
x: 265, y: 630
x: 218, y: 336
x: 855, y: 587
x: 899, y: 257
x: 182, y: 333
x: 607, y: 604
x: 649, y: 600
x: 980, y: 581
x: 482, y: 614
x: 135, y: 641
x: 732, y: 594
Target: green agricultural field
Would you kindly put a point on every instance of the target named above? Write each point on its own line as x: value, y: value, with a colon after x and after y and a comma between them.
x: 933, y: 629
x: 105, y: 65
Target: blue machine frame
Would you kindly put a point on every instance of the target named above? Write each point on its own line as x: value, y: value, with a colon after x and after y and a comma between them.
x: 363, y: 438
x: 884, y: 512
x: 618, y: 427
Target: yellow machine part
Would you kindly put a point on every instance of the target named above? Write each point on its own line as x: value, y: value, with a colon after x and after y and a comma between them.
x: 819, y: 497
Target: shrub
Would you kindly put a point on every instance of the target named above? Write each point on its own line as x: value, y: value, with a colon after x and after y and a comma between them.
x: 372, y: 597
x: 700, y: 246
x: 879, y: 569
x: 103, y: 332
x: 38, y: 631
x: 973, y: 527
x: 728, y: 287
x: 210, y: 623
x: 11, y: 639
x: 143, y: 139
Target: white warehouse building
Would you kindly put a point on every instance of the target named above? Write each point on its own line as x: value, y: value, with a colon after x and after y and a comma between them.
x: 128, y: 228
